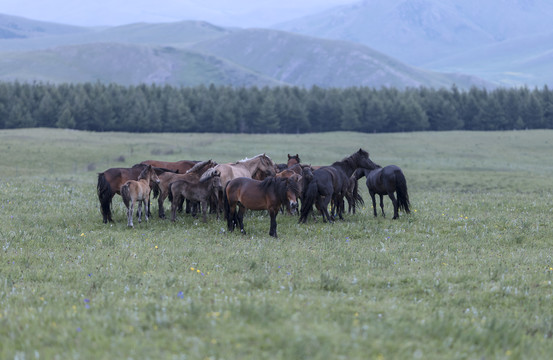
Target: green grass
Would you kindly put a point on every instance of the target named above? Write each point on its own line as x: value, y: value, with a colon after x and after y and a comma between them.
x: 467, y: 275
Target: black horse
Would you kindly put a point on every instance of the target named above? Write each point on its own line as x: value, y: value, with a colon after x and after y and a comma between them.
x: 385, y: 181
x: 331, y: 183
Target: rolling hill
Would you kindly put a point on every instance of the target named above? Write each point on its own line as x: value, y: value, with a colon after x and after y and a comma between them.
x: 195, y: 52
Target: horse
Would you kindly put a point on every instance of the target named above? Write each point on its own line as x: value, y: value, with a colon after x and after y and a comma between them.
x: 181, y: 166
x: 192, y: 174
x: 268, y: 194
x: 110, y: 182
x: 134, y: 191
x: 260, y: 164
x: 330, y: 183
x: 200, y: 191
x: 292, y: 160
x: 385, y: 181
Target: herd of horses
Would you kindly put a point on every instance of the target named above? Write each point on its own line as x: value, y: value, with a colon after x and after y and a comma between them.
x: 256, y: 184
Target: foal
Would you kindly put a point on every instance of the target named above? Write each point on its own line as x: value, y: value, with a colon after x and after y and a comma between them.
x: 134, y: 191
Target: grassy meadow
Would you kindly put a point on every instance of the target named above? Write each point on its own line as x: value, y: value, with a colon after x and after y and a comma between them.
x: 467, y: 275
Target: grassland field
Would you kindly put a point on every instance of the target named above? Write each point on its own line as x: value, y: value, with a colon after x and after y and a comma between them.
x: 467, y: 275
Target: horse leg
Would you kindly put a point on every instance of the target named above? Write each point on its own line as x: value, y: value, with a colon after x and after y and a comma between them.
x: 231, y: 223
x: 324, y: 209
x: 203, y: 204
x: 240, y: 218
x: 394, y: 202
x: 341, y: 205
x: 382, y: 205
x: 373, y: 197
x: 147, y: 209
x: 174, y: 206
x: 273, y: 228
x: 130, y: 214
x: 161, y: 210
x: 139, y: 210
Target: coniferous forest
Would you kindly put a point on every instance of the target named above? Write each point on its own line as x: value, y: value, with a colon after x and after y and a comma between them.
x: 154, y: 108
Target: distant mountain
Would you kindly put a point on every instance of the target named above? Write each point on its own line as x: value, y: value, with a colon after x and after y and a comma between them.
x: 126, y: 64
x: 425, y: 32
x: 305, y: 61
x: 195, y: 52
x: 15, y: 27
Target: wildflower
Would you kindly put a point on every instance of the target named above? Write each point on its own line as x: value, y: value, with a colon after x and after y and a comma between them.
x: 192, y: 268
x: 79, y: 329
x: 180, y: 295
x: 156, y: 247
x: 82, y: 234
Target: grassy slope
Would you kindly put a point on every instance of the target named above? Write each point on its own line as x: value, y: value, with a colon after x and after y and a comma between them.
x: 126, y: 64
x: 466, y: 275
x: 302, y: 60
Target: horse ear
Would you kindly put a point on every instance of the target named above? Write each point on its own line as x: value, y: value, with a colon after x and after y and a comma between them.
x: 289, y: 157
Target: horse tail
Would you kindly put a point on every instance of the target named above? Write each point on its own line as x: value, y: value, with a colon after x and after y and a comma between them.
x: 155, y: 190
x: 226, y: 204
x: 357, y: 199
x: 401, y: 189
x: 126, y: 194
x: 170, y: 192
x: 105, y: 194
x: 309, y: 196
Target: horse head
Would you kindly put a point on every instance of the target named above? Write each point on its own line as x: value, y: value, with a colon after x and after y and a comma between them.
x: 293, y: 192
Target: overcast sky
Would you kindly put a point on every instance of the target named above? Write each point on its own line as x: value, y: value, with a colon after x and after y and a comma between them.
x: 244, y: 13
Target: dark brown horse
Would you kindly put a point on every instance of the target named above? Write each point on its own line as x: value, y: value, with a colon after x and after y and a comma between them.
x: 268, y: 194
x: 195, y: 190
x: 110, y: 182
x: 138, y: 191
x: 331, y: 183
x: 181, y: 166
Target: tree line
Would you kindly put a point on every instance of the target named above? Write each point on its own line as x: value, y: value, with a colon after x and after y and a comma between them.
x: 155, y: 108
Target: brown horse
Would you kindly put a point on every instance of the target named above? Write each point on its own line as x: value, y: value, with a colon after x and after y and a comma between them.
x: 134, y: 191
x: 260, y: 164
x: 192, y: 174
x: 268, y: 194
x: 110, y: 182
x: 181, y: 166
x: 200, y: 191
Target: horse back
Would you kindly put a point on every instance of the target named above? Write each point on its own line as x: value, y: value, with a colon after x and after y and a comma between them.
x: 116, y: 177
x: 249, y: 193
x: 181, y: 166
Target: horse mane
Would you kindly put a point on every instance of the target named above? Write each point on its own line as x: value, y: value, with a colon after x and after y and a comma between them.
x: 281, y: 186
x: 352, y: 160
x: 200, y: 166
x: 144, y: 172
x: 208, y: 174
x: 261, y: 156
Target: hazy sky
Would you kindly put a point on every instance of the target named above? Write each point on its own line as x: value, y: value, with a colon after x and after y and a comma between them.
x: 245, y: 13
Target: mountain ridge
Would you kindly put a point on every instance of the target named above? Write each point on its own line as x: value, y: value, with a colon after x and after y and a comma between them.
x: 208, y: 53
